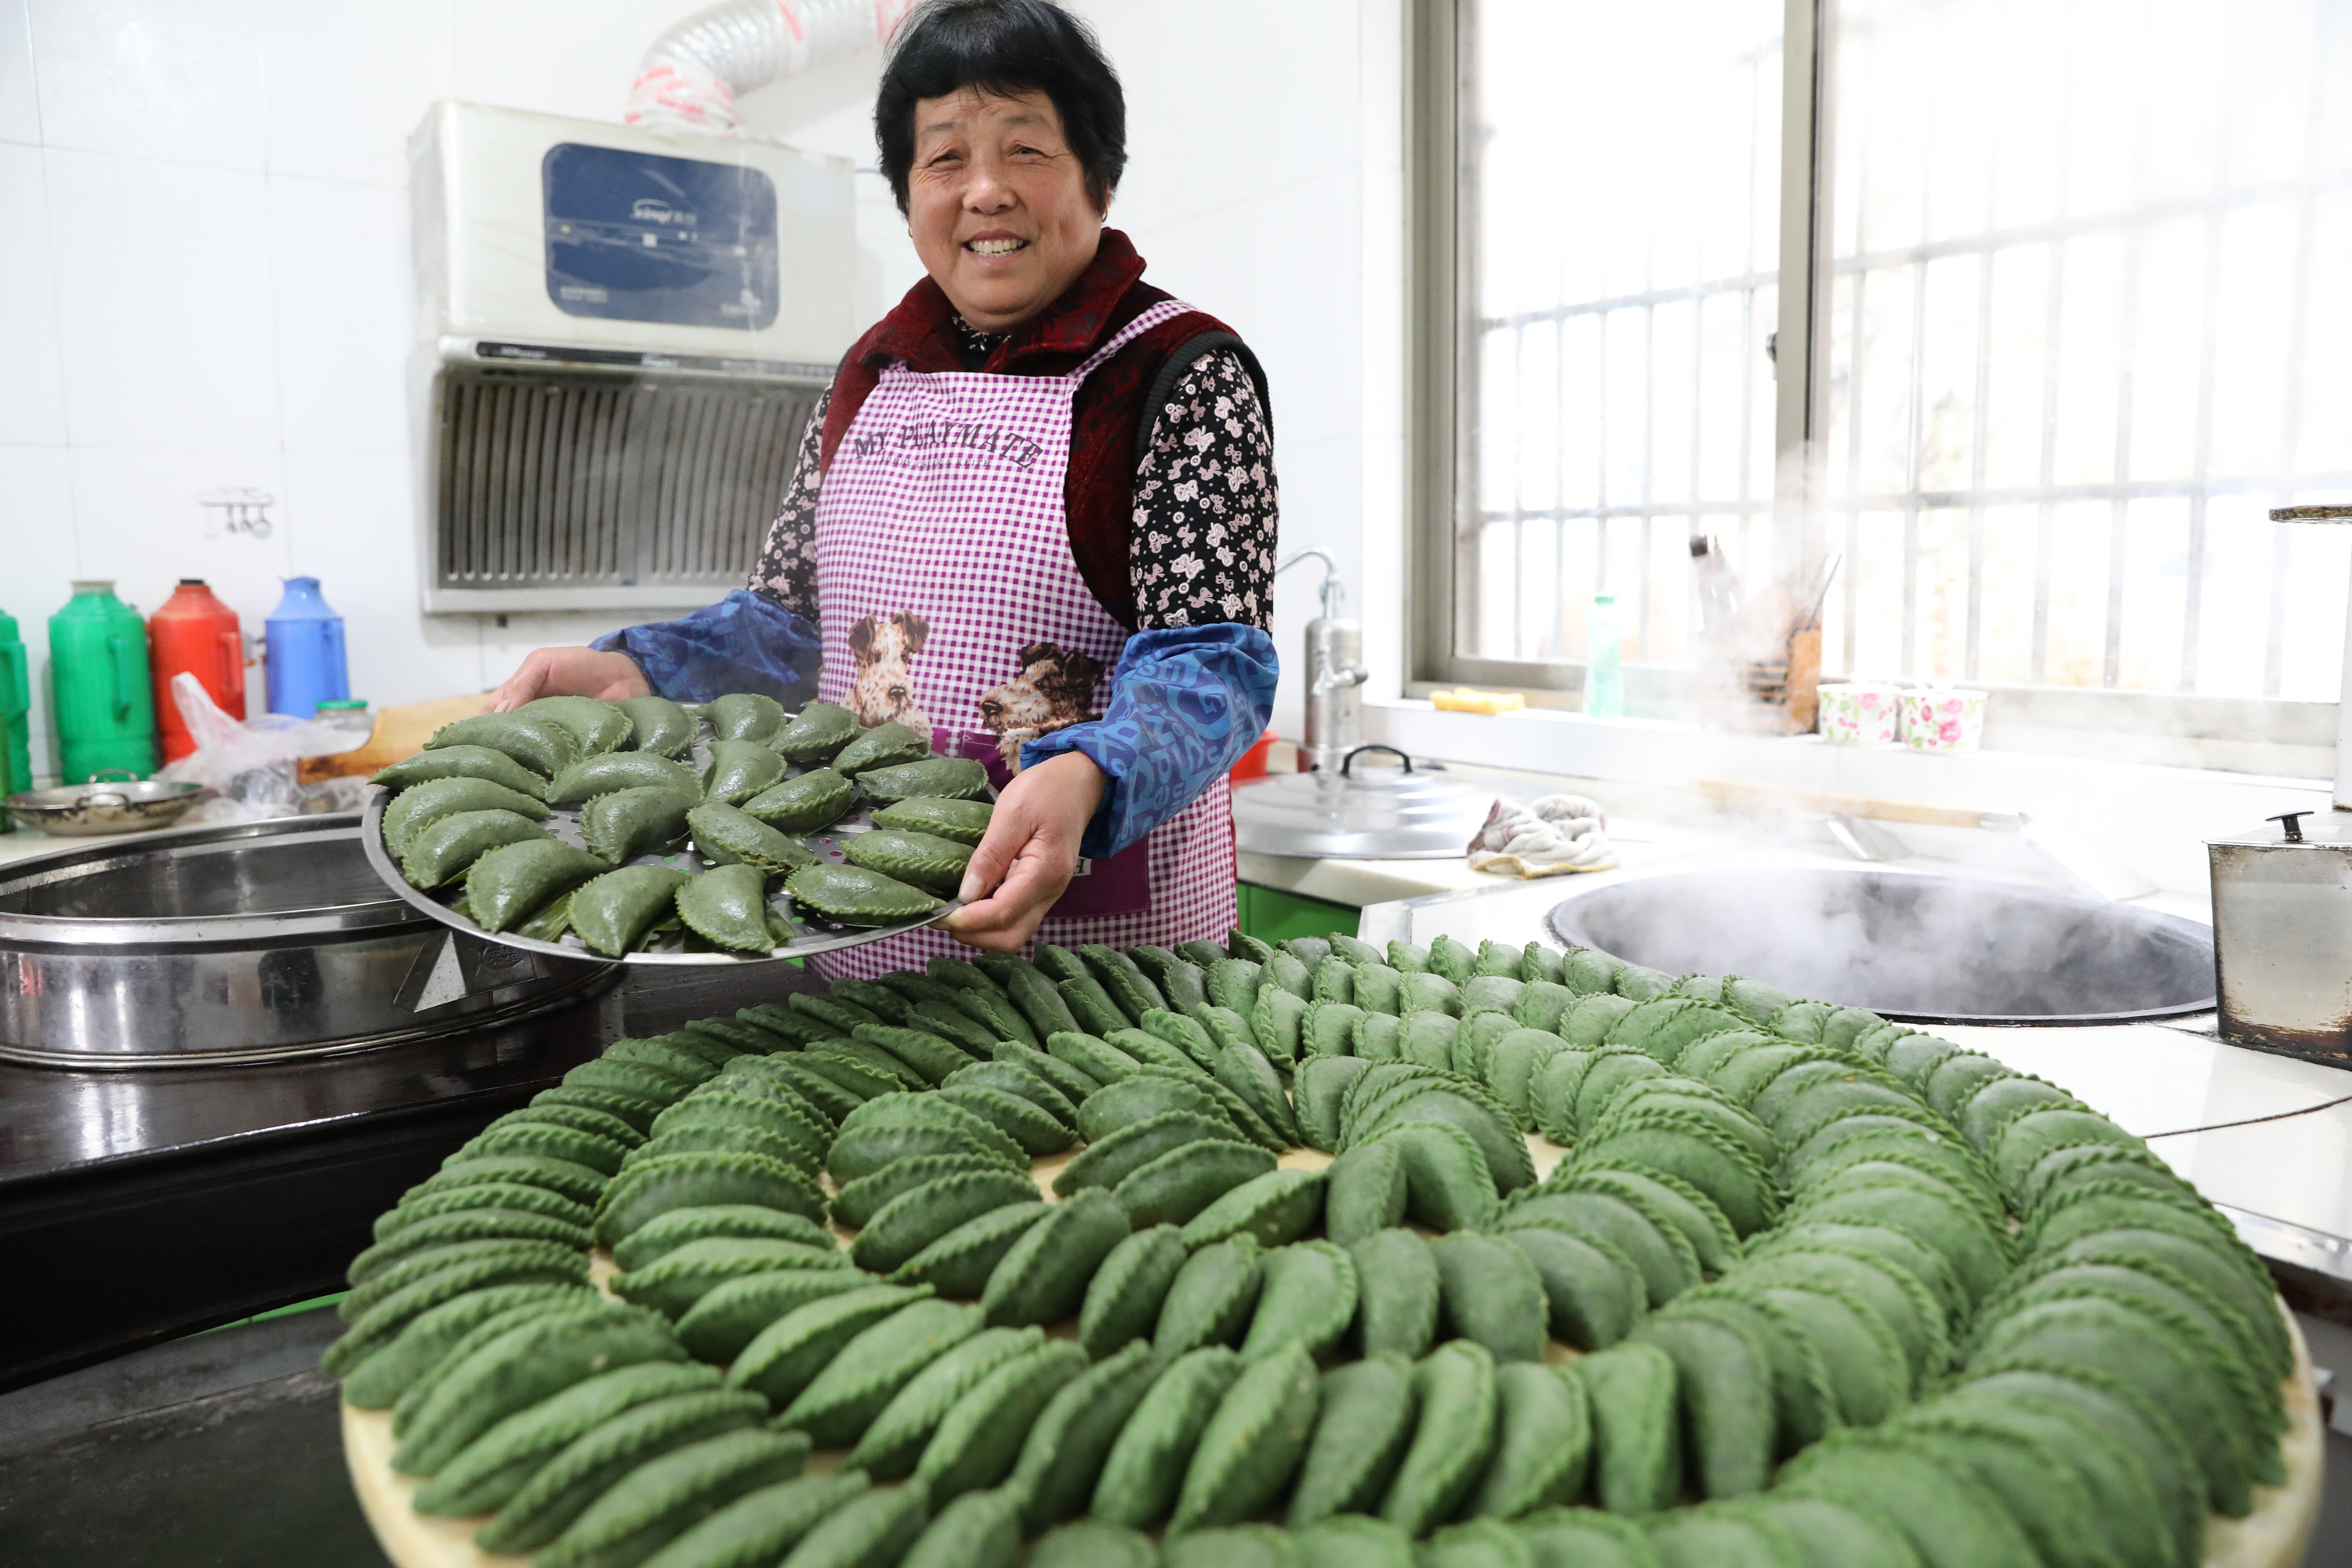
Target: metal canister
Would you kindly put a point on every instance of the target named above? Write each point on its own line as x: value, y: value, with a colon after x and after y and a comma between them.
x: 1334, y: 691
x: 1335, y: 673
x: 2283, y: 936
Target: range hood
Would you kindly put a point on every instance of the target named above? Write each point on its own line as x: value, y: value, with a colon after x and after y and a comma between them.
x: 620, y: 338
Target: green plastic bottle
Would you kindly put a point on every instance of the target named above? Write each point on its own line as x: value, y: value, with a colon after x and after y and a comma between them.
x: 16, y: 715
x: 99, y: 692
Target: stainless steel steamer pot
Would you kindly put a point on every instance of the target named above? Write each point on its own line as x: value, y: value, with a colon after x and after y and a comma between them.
x: 252, y: 942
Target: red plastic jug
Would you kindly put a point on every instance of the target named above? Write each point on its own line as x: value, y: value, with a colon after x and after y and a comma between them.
x: 195, y: 632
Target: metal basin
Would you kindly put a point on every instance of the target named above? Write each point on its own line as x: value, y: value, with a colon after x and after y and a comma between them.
x: 252, y: 942
x: 1922, y: 949
x: 90, y: 810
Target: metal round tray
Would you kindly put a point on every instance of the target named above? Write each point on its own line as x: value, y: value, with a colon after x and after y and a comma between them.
x: 809, y: 936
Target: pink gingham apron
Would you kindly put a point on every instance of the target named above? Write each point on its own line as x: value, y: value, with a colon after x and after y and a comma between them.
x: 943, y: 507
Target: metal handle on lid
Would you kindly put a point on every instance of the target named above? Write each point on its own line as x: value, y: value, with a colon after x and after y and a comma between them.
x: 2291, y: 824
x: 1349, y: 760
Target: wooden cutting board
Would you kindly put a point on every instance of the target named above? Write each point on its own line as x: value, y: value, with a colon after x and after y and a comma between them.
x: 400, y: 731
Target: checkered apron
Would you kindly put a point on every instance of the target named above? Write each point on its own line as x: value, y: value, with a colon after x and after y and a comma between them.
x: 944, y: 502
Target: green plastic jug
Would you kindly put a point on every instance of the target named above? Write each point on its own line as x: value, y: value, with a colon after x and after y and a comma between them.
x: 16, y: 715
x: 98, y: 691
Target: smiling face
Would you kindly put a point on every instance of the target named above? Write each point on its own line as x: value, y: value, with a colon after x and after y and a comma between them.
x: 997, y: 204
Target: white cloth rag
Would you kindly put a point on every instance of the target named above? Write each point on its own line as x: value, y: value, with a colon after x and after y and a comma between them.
x: 1556, y: 834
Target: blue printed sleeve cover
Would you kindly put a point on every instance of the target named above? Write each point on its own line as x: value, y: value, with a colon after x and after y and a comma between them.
x: 746, y: 642
x: 1185, y: 703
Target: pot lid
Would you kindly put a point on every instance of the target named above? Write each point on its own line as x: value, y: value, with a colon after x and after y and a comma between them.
x: 2316, y: 829
x: 1380, y: 813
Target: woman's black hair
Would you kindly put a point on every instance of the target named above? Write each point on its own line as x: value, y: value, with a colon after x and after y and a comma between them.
x: 1005, y: 46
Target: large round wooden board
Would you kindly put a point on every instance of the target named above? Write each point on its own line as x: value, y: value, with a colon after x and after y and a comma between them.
x: 2273, y: 1536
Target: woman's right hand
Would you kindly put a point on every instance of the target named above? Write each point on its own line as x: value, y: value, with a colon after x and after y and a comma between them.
x: 570, y: 672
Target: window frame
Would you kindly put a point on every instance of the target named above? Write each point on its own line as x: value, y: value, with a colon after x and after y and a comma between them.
x: 1441, y: 196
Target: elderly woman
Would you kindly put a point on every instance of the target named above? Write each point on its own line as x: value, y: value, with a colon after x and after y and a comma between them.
x: 1035, y: 513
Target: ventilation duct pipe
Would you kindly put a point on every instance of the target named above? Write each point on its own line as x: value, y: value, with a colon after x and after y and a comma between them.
x: 694, y: 73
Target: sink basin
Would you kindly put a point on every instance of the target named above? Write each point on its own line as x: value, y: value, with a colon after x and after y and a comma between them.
x: 1920, y: 949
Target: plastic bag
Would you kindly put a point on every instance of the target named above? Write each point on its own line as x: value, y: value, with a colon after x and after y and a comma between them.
x: 249, y: 765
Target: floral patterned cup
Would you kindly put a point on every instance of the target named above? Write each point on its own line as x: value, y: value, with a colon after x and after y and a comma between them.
x: 1859, y: 713
x: 1943, y: 719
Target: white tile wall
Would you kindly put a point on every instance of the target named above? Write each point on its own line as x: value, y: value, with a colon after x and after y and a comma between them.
x: 348, y: 83
x: 163, y: 301
x: 348, y: 523
x: 20, y: 107
x: 136, y: 521
x: 341, y: 309
x: 205, y: 279
x: 38, y: 485
x: 173, y: 80
x: 32, y: 393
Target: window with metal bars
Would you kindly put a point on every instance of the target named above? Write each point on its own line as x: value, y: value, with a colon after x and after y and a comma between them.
x: 2063, y: 333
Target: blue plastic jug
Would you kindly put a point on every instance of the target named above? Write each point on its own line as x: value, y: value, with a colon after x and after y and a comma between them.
x: 304, y: 638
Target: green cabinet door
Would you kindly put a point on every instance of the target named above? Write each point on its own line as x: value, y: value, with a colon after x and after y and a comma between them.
x: 1271, y: 914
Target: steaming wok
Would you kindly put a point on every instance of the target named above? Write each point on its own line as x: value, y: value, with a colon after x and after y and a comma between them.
x: 1920, y: 949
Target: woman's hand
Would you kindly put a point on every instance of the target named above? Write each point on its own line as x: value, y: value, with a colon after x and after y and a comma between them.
x: 570, y: 672
x: 1027, y: 855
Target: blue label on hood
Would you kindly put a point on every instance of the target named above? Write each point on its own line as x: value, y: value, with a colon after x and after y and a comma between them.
x: 638, y: 236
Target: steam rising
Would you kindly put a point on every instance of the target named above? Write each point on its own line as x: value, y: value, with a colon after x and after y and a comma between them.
x: 1930, y: 948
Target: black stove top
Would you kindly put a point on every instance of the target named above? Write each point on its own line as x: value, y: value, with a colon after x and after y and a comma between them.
x: 136, y: 1207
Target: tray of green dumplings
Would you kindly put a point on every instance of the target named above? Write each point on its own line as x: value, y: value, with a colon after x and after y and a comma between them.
x: 657, y: 832
x: 1316, y: 1255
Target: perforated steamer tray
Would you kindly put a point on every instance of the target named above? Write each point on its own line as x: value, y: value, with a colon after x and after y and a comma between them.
x: 2273, y: 1536
x: 810, y: 934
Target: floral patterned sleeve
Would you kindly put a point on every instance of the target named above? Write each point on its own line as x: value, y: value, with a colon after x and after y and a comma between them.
x: 1206, y: 504
x: 785, y: 573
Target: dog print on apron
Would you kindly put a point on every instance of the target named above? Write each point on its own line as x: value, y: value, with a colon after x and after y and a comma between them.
x: 951, y: 600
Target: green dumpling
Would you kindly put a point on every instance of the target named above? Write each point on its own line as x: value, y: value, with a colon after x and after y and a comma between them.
x: 854, y: 896
x: 725, y: 836
x: 964, y: 821
x: 599, y: 726
x: 936, y: 864
x: 883, y: 746
x: 613, y: 913
x: 817, y: 799
x: 815, y: 733
x: 944, y: 778
x: 729, y: 906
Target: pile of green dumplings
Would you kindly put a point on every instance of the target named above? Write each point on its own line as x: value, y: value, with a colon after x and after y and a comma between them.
x: 1808, y: 1287
x: 470, y: 810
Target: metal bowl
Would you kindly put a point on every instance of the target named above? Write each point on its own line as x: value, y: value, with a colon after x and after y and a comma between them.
x: 257, y: 942
x: 87, y: 810
x: 1937, y: 950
